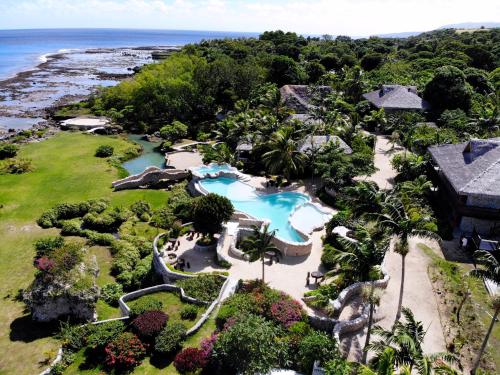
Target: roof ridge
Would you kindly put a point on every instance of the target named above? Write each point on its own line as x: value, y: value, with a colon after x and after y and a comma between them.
x: 480, y: 175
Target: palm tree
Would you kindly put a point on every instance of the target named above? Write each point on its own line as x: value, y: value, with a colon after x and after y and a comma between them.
x: 365, y: 197
x: 416, y: 188
x: 284, y: 156
x: 396, y: 220
x: 405, y: 341
x: 490, y: 270
x: 359, y: 258
x: 260, y: 243
x: 373, y: 298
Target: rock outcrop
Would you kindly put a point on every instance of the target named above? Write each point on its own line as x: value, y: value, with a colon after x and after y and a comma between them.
x: 151, y: 176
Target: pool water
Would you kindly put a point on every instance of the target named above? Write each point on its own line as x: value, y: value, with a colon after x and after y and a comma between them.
x: 150, y: 156
x: 213, y: 168
x: 276, y: 208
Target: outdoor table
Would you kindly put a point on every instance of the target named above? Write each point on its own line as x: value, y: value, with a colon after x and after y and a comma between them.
x: 316, y: 275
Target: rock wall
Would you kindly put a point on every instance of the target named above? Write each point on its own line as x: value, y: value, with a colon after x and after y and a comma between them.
x: 150, y: 176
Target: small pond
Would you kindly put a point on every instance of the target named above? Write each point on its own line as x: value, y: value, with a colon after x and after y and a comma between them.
x: 150, y: 157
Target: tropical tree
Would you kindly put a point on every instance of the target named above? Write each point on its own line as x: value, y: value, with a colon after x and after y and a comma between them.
x: 260, y: 243
x: 210, y: 212
x: 489, y: 270
x: 284, y: 156
x: 360, y: 258
x: 365, y: 197
x: 396, y: 220
x: 419, y: 187
x: 403, y: 347
x: 371, y: 296
x: 375, y: 119
x: 219, y: 153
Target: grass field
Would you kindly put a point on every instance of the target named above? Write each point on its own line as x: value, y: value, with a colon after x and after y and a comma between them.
x: 65, y: 170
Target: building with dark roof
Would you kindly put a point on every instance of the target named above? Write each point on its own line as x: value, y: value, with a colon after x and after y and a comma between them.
x: 299, y: 98
x: 315, y: 142
x: 470, y: 178
x: 393, y: 98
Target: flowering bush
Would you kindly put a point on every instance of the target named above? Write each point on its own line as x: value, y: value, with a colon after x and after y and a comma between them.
x: 125, y: 352
x: 150, y: 323
x: 207, y: 345
x: 44, y: 264
x: 189, y: 360
x: 286, y: 312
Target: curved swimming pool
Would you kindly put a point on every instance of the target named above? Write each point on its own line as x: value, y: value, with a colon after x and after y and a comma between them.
x: 277, y: 208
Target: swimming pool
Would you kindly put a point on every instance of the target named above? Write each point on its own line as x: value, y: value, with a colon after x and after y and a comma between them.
x: 277, y: 208
x: 213, y: 169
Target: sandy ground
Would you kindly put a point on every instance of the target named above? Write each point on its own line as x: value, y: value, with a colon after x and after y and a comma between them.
x: 185, y: 159
x: 384, y: 151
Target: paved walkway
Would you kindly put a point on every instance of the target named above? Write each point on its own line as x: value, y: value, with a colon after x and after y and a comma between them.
x: 384, y: 151
x: 184, y: 159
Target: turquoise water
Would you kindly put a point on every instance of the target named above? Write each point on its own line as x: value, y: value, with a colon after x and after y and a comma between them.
x: 274, y: 207
x: 215, y: 168
x: 150, y: 156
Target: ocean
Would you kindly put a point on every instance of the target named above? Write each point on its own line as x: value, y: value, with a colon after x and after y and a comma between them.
x: 21, y: 50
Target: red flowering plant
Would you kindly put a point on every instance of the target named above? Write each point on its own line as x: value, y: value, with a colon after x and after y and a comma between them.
x: 44, y: 264
x: 207, y: 345
x: 124, y: 352
x: 149, y: 324
x: 286, y: 312
x: 190, y: 360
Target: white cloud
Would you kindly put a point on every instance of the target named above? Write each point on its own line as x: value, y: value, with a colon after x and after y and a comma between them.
x: 353, y: 17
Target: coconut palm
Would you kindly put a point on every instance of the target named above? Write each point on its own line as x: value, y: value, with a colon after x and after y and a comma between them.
x: 416, y: 188
x: 284, y: 156
x: 405, y: 340
x: 360, y: 258
x: 371, y: 296
x: 490, y: 270
x: 260, y: 243
x: 396, y: 220
x: 365, y: 197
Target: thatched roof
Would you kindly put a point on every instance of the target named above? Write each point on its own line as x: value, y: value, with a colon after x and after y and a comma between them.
x: 472, y: 168
x: 397, y: 97
x: 299, y: 97
x: 315, y: 142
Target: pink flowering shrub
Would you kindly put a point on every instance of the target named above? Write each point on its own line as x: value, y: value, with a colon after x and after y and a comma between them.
x: 189, y: 360
x: 150, y: 323
x: 124, y: 352
x: 44, y: 264
x: 207, y: 345
x: 286, y: 312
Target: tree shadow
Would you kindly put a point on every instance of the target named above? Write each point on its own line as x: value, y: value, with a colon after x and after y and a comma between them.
x: 161, y: 361
x: 27, y: 330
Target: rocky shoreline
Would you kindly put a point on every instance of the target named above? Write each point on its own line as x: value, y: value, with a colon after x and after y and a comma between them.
x: 29, y: 99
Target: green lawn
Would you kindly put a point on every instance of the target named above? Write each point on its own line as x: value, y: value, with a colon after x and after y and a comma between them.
x: 65, y: 170
x: 172, y: 305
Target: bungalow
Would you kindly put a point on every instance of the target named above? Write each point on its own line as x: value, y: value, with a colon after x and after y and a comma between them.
x: 316, y: 142
x: 394, y: 98
x: 469, y: 175
x: 299, y: 98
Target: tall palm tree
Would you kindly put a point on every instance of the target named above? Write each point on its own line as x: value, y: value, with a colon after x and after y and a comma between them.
x: 284, y: 156
x: 490, y: 270
x: 405, y: 340
x: 260, y: 243
x: 373, y: 298
x: 395, y: 219
x: 360, y: 258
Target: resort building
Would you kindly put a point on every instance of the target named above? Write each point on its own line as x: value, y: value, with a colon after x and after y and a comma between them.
x: 469, y: 175
x: 394, y: 98
x: 316, y: 142
x: 299, y: 98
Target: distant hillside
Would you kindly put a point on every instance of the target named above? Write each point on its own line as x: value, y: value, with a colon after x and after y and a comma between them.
x: 471, y: 25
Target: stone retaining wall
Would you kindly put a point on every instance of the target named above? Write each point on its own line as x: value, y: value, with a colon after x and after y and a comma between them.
x: 161, y: 268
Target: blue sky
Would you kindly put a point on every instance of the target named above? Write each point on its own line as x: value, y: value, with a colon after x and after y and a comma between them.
x: 348, y: 17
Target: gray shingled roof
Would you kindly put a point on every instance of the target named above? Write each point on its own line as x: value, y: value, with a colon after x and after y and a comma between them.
x: 298, y: 97
x: 472, y: 168
x: 397, y: 97
x: 318, y: 141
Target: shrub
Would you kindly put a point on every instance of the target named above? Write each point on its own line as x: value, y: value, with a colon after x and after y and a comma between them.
x: 125, y: 352
x: 146, y: 303
x: 44, y: 246
x: 111, y: 293
x: 48, y: 219
x: 287, y: 312
x: 101, y: 334
x: 162, y: 218
x: 176, y: 130
x: 329, y: 257
x: 17, y: 166
x: 96, y: 238
x: 106, y: 222
x: 316, y: 346
x: 256, y: 343
x: 150, y: 323
x: 44, y: 264
x: 170, y: 338
x: 71, y: 227
x: 140, y: 207
x: 189, y: 312
x: 238, y: 304
x: 104, y: 151
x: 190, y: 360
x: 7, y: 150
x: 74, y: 337
x: 203, y: 287
x: 210, y: 212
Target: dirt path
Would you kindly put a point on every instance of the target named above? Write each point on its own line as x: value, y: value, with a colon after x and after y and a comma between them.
x: 384, y: 151
x: 418, y: 295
